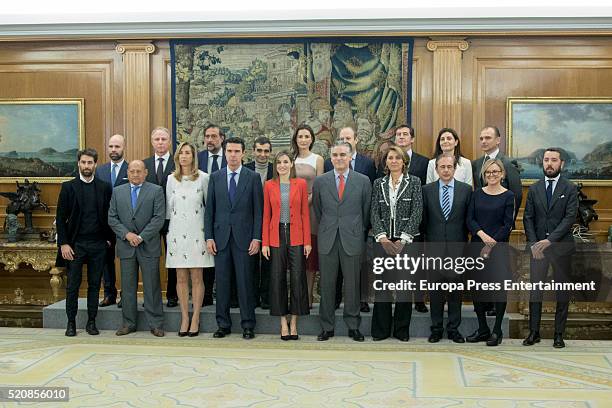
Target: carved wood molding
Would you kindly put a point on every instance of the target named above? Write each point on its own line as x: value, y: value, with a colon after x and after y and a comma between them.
x: 461, y: 45
x: 138, y: 47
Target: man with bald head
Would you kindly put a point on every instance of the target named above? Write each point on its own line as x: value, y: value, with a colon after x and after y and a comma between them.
x: 115, y: 174
x: 136, y: 215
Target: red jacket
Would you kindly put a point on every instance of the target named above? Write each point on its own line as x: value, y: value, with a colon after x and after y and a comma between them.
x: 298, y: 210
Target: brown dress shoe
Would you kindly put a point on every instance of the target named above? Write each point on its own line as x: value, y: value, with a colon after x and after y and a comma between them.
x: 158, y: 332
x: 124, y: 330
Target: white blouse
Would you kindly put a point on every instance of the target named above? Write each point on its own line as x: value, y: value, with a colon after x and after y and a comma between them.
x: 463, y: 172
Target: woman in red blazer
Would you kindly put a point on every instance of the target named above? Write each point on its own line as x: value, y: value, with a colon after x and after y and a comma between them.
x: 286, y: 240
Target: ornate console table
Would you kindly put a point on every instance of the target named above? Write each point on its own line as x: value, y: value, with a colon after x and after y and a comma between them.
x: 40, y: 255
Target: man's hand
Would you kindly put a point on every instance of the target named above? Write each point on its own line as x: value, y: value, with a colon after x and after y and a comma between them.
x: 254, y: 247
x: 537, y: 249
x: 67, y: 252
x: 133, y: 239
x: 211, y: 246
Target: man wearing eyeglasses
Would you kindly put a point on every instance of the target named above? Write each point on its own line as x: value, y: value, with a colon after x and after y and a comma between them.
x: 262, y: 149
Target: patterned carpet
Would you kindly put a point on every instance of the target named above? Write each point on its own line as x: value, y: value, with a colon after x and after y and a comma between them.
x: 142, y: 371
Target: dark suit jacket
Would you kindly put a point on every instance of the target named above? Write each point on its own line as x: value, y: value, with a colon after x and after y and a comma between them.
x: 251, y: 165
x: 555, y: 222
x: 417, y: 167
x: 68, y: 216
x: 435, y: 226
x: 152, y: 176
x: 104, y: 173
x: 512, y: 181
x: 363, y: 165
x: 203, y: 160
x: 243, y: 220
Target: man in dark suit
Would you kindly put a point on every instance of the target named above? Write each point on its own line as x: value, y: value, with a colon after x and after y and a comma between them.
x: 404, y: 138
x: 83, y: 236
x: 445, y: 205
x: 262, y: 148
x: 364, y: 165
x: 159, y: 167
x: 137, y: 213
x: 550, y: 212
x: 341, y: 202
x: 115, y: 174
x: 213, y: 141
x: 232, y: 227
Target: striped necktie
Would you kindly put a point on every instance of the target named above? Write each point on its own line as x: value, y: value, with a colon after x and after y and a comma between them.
x: 446, y: 204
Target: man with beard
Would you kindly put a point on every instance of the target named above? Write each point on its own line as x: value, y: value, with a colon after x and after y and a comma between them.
x: 115, y: 174
x: 550, y: 212
x: 212, y: 159
x: 83, y: 236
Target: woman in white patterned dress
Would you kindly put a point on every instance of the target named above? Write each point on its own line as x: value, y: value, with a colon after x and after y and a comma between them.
x: 185, y: 203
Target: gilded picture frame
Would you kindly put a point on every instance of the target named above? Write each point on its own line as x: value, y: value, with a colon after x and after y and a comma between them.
x: 39, y: 138
x: 579, y: 126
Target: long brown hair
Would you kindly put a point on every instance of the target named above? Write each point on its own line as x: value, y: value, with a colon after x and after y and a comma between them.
x: 294, y: 147
x: 438, y: 149
x: 194, y: 174
x: 291, y: 159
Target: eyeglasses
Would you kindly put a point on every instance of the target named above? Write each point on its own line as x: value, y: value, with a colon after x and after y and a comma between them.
x: 492, y: 172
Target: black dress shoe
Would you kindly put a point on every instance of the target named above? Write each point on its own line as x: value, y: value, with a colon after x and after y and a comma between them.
x: 403, y: 338
x: 183, y: 334
x: 286, y: 337
x: 356, y: 335
x: 420, y: 307
x: 495, y: 339
x: 364, y: 308
x: 533, y: 338
x: 478, y: 336
x: 325, y: 335
x: 248, y: 334
x: 91, y: 328
x: 107, y: 301
x: 379, y: 338
x: 71, y: 329
x: 222, y: 332
x: 434, y: 337
x: 234, y: 304
x: 294, y: 337
x: 456, y: 337
x: 195, y: 333
x: 172, y: 302
x: 558, y: 341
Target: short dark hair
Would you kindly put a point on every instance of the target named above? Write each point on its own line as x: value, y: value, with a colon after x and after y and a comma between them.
x: 262, y: 140
x: 212, y: 125
x: 88, y: 151
x: 404, y: 125
x: 236, y: 140
x: 554, y: 149
x: 440, y: 156
x: 495, y: 129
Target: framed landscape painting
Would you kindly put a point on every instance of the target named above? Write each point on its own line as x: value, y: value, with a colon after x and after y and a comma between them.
x: 39, y: 139
x: 579, y: 126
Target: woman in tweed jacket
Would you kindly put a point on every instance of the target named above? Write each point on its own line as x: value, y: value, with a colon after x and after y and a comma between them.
x: 397, y: 207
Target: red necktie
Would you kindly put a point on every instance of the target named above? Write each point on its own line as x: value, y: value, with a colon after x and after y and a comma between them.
x: 341, y: 186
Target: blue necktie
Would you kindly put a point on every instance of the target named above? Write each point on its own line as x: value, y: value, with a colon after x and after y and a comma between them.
x: 135, y: 195
x: 446, y: 204
x: 549, y: 192
x: 114, y: 174
x: 232, y: 188
x: 215, y: 165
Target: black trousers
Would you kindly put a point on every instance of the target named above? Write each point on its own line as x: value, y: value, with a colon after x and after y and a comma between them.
x: 92, y: 253
x: 282, y: 258
x: 262, y: 279
x: 438, y: 298
x: 561, y: 266
x: 171, y: 282
x: 110, y: 274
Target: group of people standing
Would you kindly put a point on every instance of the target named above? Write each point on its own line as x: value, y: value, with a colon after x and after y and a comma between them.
x: 253, y: 223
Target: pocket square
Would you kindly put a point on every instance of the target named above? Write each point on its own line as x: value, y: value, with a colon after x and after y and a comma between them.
x: 562, y: 196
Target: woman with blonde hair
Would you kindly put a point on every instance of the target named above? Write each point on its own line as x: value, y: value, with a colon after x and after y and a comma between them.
x: 185, y: 204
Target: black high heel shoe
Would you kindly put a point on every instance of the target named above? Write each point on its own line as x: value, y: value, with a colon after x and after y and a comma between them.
x: 495, y: 339
x: 183, y: 333
x: 194, y: 334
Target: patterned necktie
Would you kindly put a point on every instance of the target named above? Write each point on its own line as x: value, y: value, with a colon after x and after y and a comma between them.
x: 215, y: 165
x: 114, y: 174
x: 340, y: 186
x: 160, y: 171
x: 446, y: 204
x: 549, y: 191
x: 232, y: 188
x: 135, y: 195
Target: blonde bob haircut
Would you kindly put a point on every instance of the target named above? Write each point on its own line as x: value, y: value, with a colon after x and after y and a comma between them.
x: 193, y: 174
x: 488, y: 164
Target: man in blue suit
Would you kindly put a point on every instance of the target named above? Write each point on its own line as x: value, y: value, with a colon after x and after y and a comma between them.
x: 232, y: 228
x: 213, y: 141
x: 113, y: 173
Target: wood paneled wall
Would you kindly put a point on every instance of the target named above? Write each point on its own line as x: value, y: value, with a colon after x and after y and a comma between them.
x: 488, y: 71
